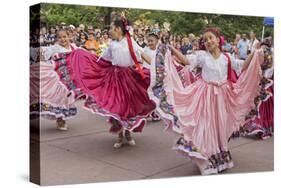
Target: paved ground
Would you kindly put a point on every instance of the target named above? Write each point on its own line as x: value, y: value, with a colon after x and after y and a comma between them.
x: 85, y: 154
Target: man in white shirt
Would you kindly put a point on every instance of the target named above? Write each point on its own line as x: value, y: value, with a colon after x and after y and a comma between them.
x: 253, y: 42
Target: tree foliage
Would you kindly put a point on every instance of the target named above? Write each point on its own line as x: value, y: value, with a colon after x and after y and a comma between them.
x: 181, y: 22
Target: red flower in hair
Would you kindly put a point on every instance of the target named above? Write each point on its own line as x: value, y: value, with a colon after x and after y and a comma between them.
x: 213, y: 30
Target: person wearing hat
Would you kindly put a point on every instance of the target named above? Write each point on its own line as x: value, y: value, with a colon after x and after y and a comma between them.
x: 62, y: 25
x: 72, y: 27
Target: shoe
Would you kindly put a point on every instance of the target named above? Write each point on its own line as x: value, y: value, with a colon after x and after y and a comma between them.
x: 129, y: 139
x: 61, y: 125
x: 155, y: 117
x: 119, y: 143
x: 132, y: 142
x: 266, y: 136
x: 209, y: 171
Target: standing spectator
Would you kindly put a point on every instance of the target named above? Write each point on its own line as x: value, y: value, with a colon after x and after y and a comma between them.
x: 171, y: 39
x: 237, y: 38
x: 81, y: 27
x: 156, y: 28
x: 82, y: 30
x: 57, y: 27
x: 140, y: 41
x: 195, y: 45
x: 105, y: 37
x: 186, y: 45
x: 235, y: 49
x: 91, y: 44
x: 253, y: 42
x: 43, y: 36
x: 98, y: 35
x: 165, y: 38
x: 178, y: 39
x: 82, y: 39
x: 90, y: 29
x: 62, y: 25
x: 51, y: 37
x: 191, y: 37
x: 104, y: 42
x: 242, y: 47
x: 75, y: 37
x: 226, y: 47
x: 71, y: 35
x: 34, y: 38
x: 135, y: 34
x: 201, y: 43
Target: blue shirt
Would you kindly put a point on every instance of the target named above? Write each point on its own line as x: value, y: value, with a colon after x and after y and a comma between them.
x: 227, y: 47
x: 185, y: 48
x: 243, y: 48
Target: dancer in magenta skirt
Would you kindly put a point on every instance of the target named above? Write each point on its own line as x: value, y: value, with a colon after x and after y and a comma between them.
x: 262, y: 125
x: 114, y: 84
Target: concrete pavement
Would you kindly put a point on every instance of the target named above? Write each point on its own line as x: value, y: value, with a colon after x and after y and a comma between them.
x: 85, y: 153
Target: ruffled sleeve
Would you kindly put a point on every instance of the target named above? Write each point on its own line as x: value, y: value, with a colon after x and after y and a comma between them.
x: 196, y: 59
x: 48, y: 52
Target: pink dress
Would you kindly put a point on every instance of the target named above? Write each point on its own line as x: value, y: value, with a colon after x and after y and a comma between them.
x: 205, y: 110
x: 113, y: 88
x: 49, y: 98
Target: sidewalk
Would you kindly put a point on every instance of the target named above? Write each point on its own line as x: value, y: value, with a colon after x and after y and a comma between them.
x: 85, y: 153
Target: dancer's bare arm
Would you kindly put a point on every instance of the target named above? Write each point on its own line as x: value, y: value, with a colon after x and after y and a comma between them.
x: 146, y: 58
x: 183, y: 60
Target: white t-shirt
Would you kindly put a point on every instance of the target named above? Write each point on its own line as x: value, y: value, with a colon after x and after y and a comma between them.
x: 253, y: 44
x: 214, y: 70
x: 118, y: 53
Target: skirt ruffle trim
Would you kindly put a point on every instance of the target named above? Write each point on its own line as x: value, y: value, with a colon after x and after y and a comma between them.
x: 51, y: 112
x: 134, y: 124
x: 213, y: 165
x: 158, y: 94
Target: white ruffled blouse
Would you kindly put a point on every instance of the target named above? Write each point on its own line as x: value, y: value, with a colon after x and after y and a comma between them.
x: 118, y: 53
x: 50, y: 51
x: 214, y: 70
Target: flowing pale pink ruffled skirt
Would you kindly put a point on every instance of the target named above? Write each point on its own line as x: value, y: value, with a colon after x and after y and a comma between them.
x: 207, y: 114
x: 49, y: 98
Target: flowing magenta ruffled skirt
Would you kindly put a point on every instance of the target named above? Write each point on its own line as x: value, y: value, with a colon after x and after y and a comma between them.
x: 263, y: 124
x: 112, y: 91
